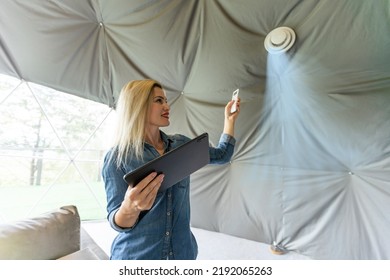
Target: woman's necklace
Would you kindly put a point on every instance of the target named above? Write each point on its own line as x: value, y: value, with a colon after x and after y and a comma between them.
x: 160, y: 147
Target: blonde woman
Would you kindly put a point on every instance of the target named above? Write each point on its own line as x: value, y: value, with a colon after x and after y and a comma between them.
x: 152, y: 225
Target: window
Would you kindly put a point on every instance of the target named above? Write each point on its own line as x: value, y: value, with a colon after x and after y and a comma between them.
x: 52, y: 146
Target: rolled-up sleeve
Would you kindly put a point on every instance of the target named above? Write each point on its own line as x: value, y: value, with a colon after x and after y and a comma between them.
x: 115, y: 188
x: 224, y: 151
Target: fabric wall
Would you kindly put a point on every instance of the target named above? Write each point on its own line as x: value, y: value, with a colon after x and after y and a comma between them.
x: 311, y: 166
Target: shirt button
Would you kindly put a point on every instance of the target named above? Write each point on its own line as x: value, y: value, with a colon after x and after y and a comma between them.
x: 168, y: 213
x: 167, y: 233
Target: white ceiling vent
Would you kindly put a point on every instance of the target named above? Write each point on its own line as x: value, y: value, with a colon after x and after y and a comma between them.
x: 279, y: 40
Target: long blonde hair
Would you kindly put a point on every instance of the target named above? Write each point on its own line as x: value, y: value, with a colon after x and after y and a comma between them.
x: 132, y: 111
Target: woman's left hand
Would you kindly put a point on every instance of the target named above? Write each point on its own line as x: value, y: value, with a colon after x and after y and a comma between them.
x: 230, y: 118
x: 228, y: 107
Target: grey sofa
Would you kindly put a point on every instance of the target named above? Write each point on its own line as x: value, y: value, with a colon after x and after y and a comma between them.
x: 55, y: 235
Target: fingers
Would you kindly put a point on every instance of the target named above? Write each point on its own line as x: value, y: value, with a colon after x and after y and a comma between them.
x: 238, y: 102
x: 229, y: 106
x: 147, y: 182
x: 143, y: 195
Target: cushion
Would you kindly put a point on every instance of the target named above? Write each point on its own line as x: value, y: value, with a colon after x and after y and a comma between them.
x: 83, y: 254
x: 49, y: 236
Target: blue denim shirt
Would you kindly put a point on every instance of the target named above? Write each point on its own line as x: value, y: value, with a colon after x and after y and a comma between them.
x: 163, y: 232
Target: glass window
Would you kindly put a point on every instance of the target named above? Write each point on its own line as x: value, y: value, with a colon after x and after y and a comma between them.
x: 51, y: 151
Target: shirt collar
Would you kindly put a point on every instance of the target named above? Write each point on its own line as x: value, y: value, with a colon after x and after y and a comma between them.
x: 166, y: 139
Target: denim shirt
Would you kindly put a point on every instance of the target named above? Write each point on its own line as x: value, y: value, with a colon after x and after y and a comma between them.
x: 163, y: 232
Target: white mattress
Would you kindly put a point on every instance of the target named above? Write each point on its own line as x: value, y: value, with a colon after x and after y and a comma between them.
x: 212, y: 245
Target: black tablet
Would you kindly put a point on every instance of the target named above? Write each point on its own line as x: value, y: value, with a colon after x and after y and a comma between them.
x: 176, y: 164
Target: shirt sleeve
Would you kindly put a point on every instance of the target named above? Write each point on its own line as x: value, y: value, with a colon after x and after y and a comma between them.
x: 224, y: 151
x: 115, y: 188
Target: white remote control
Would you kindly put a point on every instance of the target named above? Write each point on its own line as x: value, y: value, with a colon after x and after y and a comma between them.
x: 234, y: 97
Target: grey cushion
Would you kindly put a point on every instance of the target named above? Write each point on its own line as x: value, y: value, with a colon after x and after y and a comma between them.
x: 83, y: 254
x: 49, y: 236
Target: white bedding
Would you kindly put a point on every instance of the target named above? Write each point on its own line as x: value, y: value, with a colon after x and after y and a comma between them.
x: 212, y: 245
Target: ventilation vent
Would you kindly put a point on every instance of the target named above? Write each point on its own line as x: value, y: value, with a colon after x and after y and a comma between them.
x: 279, y: 40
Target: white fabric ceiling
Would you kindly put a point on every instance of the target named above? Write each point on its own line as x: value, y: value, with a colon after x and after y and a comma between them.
x: 311, y: 167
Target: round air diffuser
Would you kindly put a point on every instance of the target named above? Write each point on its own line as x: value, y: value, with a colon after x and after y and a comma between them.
x: 279, y: 40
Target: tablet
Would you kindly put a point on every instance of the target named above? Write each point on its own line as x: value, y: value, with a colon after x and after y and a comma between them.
x: 176, y: 164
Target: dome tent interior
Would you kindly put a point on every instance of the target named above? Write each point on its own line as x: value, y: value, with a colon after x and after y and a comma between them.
x: 311, y: 165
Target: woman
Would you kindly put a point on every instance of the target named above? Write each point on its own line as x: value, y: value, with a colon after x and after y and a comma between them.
x: 151, y: 224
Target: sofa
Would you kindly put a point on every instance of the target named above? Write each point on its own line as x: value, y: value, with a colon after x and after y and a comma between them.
x: 55, y: 235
